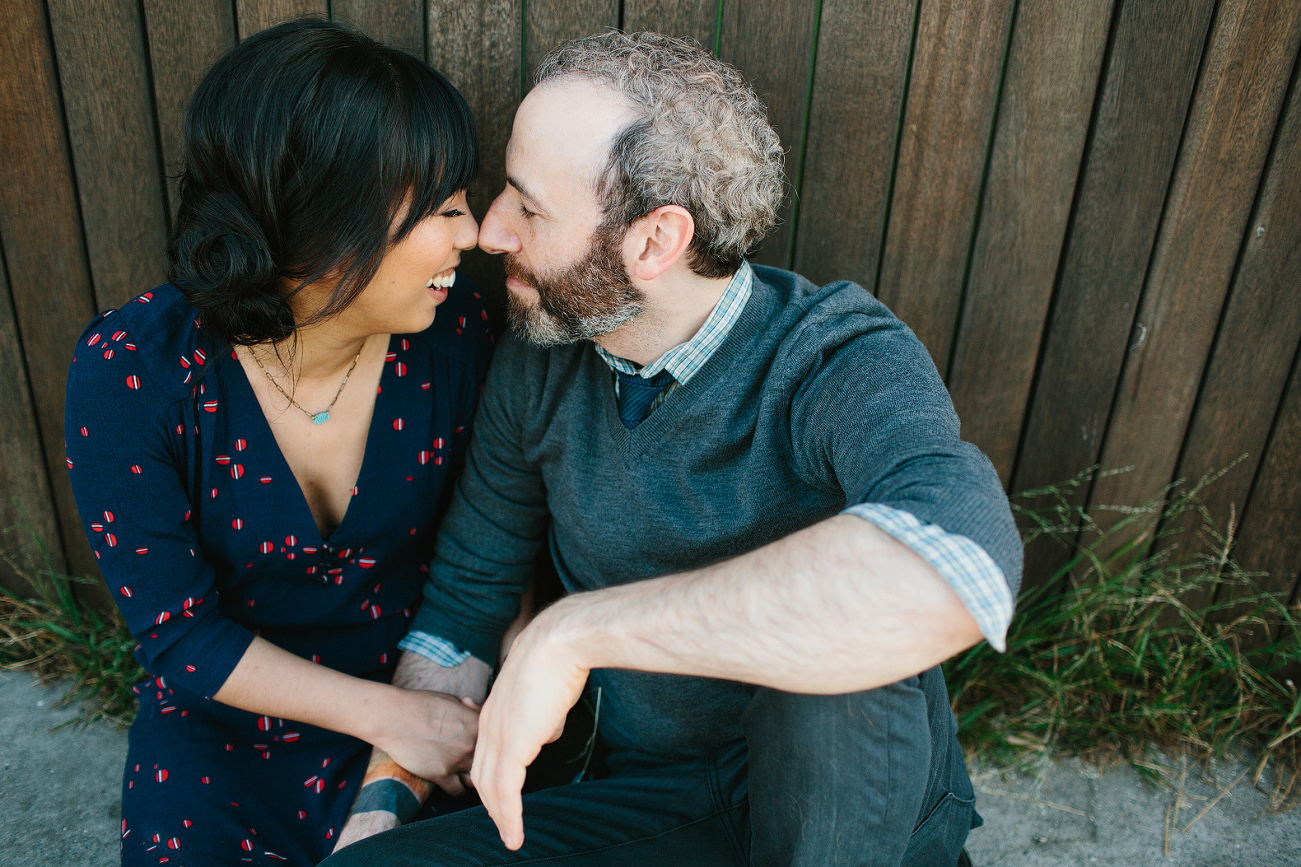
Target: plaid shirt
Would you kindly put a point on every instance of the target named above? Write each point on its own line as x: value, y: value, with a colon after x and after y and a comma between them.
x: 966, y: 566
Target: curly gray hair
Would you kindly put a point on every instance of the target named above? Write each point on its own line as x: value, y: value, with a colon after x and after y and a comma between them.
x: 701, y: 140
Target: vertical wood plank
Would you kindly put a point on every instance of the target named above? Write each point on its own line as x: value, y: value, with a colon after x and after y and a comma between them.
x: 399, y: 23
x: 26, y: 501
x: 254, y: 15
x: 104, y: 74
x: 858, y: 86
x: 1269, y: 538
x: 694, y: 19
x: 1231, y: 126
x: 1148, y: 83
x: 183, y: 42
x: 772, y: 44
x: 1052, y: 75
x: 957, y: 64
x: 477, y: 46
x: 41, y: 224
x: 1258, y: 339
x: 551, y: 22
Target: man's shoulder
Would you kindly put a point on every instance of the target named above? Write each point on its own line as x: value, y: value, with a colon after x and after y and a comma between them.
x: 812, y: 317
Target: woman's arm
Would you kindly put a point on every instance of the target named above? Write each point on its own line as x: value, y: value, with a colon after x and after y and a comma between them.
x: 432, y: 734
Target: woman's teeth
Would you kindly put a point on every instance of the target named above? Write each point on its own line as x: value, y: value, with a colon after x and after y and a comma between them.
x: 442, y: 281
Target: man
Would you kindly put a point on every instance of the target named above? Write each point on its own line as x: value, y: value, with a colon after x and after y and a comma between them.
x: 752, y: 489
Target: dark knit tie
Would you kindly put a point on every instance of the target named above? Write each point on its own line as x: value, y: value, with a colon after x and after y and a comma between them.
x: 636, y: 394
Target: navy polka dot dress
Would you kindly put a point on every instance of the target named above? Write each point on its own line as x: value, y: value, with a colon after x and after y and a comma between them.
x: 205, y: 540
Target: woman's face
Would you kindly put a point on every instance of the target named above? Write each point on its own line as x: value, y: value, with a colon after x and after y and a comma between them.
x: 416, y: 272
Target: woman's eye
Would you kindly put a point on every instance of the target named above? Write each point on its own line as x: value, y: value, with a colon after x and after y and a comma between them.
x: 454, y: 213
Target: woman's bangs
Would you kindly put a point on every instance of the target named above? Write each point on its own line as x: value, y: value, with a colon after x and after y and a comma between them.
x: 436, y: 145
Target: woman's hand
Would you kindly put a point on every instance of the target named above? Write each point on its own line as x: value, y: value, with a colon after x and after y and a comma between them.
x: 432, y: 735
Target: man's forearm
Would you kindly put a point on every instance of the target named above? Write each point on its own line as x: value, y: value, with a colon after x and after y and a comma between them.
x: 837, y: 607
x: 467, y: 680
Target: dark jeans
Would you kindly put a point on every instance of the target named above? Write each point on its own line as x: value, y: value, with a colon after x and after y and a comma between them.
x: 869, y: 778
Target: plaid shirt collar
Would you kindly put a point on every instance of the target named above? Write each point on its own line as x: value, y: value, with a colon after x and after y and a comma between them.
x: 685, y: 360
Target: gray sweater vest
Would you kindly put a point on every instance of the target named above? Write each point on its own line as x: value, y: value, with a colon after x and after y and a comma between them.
x: 818, y: 399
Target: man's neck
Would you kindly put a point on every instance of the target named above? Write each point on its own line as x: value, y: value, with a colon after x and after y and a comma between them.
x: 676, y: 308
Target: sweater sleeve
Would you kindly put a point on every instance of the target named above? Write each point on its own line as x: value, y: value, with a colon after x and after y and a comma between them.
x: 876, y: 421
x: 496, y: 522
x: 122, y: 453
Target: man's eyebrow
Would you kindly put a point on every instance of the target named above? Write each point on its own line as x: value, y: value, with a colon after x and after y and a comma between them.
x: 523, y: 191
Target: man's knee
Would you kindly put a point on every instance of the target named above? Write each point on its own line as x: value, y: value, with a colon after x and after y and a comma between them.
x: 863, y: 772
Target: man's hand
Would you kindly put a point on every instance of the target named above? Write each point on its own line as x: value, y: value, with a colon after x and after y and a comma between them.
x: 433, y: 737
x: 539, y: 682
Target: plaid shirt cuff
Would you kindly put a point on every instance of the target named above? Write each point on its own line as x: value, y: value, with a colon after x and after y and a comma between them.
x: 967, y: 568
x: 433, y: 648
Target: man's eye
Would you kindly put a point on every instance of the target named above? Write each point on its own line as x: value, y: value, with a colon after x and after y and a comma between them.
x: 526, y: 213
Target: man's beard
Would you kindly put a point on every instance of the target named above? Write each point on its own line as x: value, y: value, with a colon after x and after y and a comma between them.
x: 591, y: 297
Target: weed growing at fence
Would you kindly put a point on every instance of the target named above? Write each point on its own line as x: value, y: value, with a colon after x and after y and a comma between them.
x: 51, y: 633
x: 1108, y: 659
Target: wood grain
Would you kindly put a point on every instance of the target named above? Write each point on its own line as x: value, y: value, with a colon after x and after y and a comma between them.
x: 477, y: 46
x: 27, y: 505
x: 254, y: 15
x: 772, y: 44
x: 399, y: 23
x: 1269, y: 537
x: 1234, y: 115
x: 551, y: 22
x: 957, y: 64
x: 693, y: 19
x: 48, y: 275
x: 858, y: 87
x: 107, y: 98
x: 1147, y: 89
x: 1052, y: 75
x: 183, y: 42
x: 1256, y: 344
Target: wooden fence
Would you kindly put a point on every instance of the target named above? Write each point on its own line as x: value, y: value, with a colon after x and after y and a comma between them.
x: 1089, y: 210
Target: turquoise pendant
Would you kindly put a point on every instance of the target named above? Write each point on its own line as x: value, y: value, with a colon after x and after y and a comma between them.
x: 321, y: 418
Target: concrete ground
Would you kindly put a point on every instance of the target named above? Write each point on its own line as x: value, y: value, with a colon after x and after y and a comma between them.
x: 60, y: 802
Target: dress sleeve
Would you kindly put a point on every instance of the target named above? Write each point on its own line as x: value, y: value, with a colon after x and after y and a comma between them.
x: 495, y: 524
x: 876, y: 421
x: 123, y: 452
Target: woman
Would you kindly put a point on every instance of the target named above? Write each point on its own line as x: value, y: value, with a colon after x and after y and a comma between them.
x: 261, y: 448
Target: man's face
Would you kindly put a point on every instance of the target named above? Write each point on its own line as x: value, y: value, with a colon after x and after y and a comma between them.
x: 576, y: 302
x: 566, y: 274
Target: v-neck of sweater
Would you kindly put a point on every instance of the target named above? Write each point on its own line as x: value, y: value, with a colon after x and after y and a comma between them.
x: 685, y: 397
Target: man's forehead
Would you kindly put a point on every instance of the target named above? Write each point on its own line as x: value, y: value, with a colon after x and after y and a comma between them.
x: 562, y: 134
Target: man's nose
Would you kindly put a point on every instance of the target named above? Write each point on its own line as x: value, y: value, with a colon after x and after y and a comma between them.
x: 495, y: 233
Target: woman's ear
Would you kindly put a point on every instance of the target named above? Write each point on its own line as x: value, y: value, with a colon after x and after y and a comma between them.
x: 658, y: 240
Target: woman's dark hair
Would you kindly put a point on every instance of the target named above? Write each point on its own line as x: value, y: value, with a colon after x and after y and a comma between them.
x: 302, y: 145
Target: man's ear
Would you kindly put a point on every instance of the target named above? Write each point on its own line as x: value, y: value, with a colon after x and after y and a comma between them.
x: 659, y: 239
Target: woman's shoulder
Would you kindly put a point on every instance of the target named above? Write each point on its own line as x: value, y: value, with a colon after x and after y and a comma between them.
x: 153, y: 342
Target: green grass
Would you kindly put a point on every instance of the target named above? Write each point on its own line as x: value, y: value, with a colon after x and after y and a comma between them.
x: 1106, y: 661
x: 53, y: 634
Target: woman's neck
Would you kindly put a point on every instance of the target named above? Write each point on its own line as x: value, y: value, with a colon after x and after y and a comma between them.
x: 314, y: 353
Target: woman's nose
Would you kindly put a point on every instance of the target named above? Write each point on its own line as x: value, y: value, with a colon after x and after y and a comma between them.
x: 467, y: 232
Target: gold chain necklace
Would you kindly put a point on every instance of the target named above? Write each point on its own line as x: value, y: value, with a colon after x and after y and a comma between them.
x: 317, y: 417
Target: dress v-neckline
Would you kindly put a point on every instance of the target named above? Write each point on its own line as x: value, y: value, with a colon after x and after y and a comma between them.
x: 250, y: 397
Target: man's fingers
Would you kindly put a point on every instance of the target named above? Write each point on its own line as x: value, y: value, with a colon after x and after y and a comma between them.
x: 508, y: 810
x: 451, y: 784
